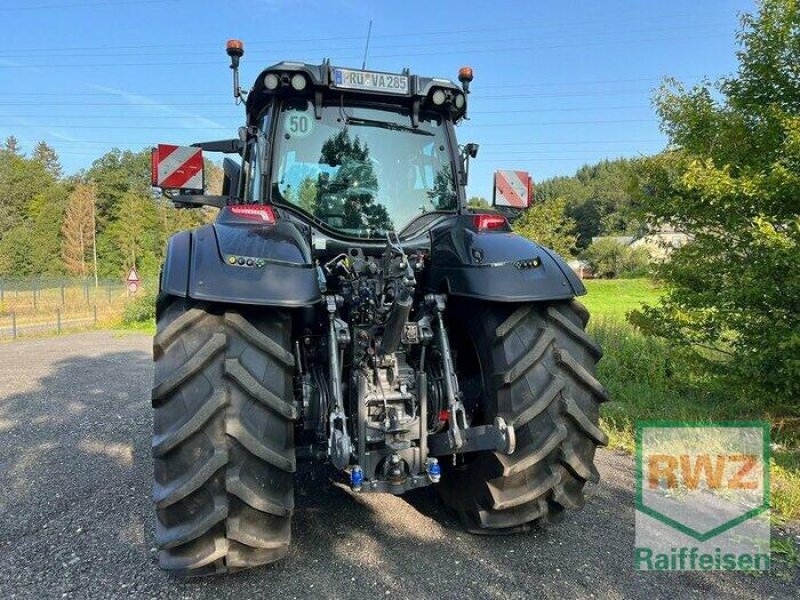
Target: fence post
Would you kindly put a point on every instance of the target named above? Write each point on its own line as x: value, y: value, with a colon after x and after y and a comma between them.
x: 108, y: 293
x: 35, y: 297
x: 95, y: 315
x: 58, y: 316
x: 13, y: 324
x: 62, y: 292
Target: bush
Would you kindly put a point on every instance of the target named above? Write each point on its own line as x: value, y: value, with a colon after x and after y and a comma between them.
x: 547, y: 224
x: 609, y: 259
x: 731, y: 176
x: 141, y: 308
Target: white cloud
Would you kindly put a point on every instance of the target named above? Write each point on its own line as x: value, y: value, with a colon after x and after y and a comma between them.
x: 56, y: 133
x: 182, y: 117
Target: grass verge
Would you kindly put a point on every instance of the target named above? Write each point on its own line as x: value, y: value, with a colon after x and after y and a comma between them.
x: 140, y: 312
x: 650, y: 380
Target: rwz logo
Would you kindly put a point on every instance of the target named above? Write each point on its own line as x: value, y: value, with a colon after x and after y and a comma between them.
x: 688, y: 472
x: 702, y: 496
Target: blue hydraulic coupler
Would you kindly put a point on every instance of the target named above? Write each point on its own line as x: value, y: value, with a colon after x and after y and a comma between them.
x: 356, y: 478
x: 434, y: 470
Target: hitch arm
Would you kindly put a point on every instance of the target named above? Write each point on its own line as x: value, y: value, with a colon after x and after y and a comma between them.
x: 498, y: 437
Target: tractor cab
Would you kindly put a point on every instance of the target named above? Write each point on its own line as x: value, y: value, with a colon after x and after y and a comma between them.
x: 357, y: 153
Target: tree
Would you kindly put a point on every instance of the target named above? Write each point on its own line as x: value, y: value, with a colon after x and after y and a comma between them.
x: 20, y: 180
x: 31, y: 209
x: 598, y: 198
x: 547, y: 224
x: 478, y: 202
x: 12, y: 146
x: 172, y: 220
x: 214, y: 176
x: 43, y: 225
x: 45, y: 218
x: 353, y: 190
x: 78, y: 232
x: 610, y: 258
x: 133, y: 238
x: 443, y: 196
x: 116, y: 173
x: 47, y: 157
x: 733, y: 180
x: 307, y: 196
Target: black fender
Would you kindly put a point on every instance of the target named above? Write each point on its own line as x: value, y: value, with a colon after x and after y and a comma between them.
x: 496, y: 265
x: 242, y: 263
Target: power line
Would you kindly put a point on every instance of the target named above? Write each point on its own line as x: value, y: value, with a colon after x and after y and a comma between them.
x: 82, y: 5
x: 517, y: 26
x: 545, y: 110
x: 546, y: 152
x: 570, y: 94
x: 123, y: 52
x: 353, y: 57
x: 543, y: 123
x: 536, y: 160
x: 571, y: 142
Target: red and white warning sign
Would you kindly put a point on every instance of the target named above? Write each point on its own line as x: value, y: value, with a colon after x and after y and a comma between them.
x: 513, y: 189
x: 177, y: 167
x: 133, y: 280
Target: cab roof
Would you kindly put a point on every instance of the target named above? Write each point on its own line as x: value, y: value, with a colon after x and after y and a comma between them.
x: 321, y: 86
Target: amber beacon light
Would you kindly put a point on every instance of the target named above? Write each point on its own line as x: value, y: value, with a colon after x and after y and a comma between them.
x: 465, y: 77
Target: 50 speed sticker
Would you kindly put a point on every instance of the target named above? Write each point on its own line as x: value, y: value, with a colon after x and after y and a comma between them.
x: 298, y: 124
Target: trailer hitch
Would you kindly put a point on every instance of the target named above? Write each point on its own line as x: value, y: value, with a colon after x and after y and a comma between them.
x: 498, y: 437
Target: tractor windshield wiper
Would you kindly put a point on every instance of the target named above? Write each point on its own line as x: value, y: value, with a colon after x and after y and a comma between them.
x: 384, y: 125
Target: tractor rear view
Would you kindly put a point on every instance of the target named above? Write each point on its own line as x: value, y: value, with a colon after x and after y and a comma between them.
x: 347, y: 306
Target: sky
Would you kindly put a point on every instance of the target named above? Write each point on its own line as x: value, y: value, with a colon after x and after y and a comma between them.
x: 557, y: 84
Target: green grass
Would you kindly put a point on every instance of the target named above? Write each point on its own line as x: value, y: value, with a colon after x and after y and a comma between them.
x: 148, y: 327
x: 614, y: 298
x: 648, y: 379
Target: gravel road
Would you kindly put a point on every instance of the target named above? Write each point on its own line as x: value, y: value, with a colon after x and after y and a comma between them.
x: 76, y: 521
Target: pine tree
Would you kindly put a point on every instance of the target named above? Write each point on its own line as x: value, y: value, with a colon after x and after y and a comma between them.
x: 135, y: 232
x: 12, y: 146
x: 78, y: 230
x: 47, y: 157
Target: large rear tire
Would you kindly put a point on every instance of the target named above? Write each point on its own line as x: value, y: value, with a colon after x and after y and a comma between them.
x: 535, y: 364
x: 223, y: 445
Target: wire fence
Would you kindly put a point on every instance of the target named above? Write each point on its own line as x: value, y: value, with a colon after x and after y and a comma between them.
x: 53, y: 305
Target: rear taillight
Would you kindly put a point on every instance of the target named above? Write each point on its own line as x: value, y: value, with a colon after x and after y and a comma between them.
x: 262, y: 214
x: 486, y: 222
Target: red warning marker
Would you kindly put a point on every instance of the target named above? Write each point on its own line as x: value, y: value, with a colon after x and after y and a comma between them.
x: 133, y: 280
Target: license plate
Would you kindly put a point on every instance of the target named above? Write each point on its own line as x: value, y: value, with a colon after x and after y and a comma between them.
x: 370, y: 81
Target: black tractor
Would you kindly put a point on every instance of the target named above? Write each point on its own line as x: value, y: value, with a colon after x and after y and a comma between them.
x: 348, y: 306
